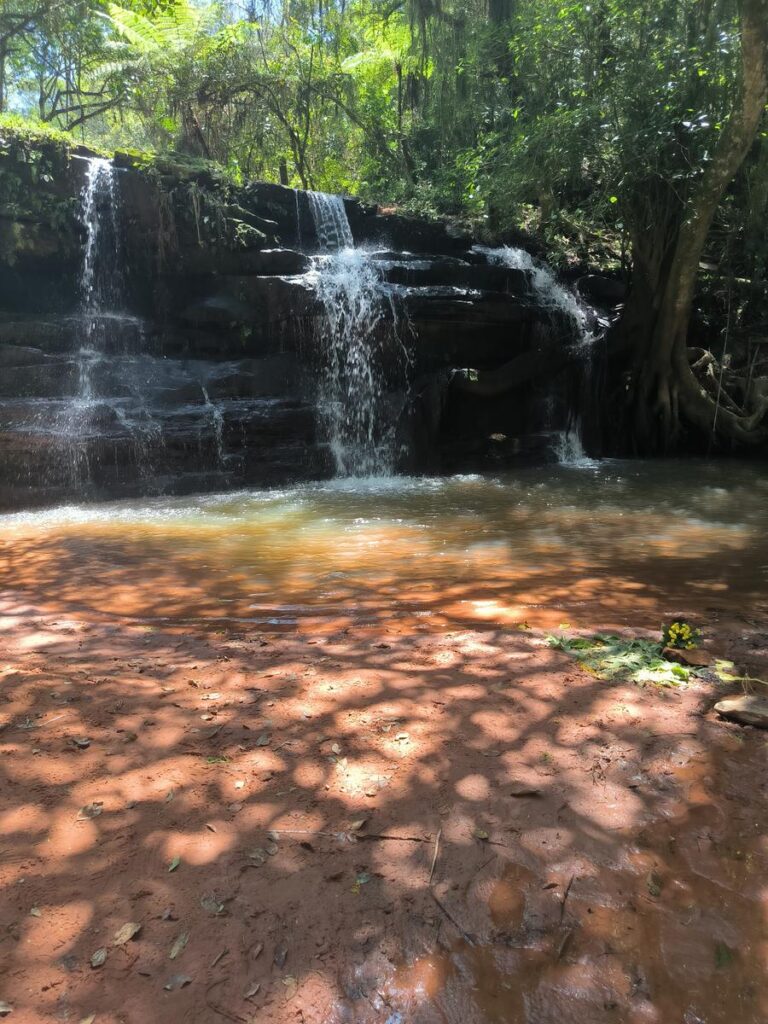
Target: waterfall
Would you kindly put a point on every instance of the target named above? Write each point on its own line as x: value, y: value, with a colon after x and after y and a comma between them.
x: 331, y: 222
x: 358, y: 421
x: 99, y: 296
x: 108, y: 401
x: 568, y: 446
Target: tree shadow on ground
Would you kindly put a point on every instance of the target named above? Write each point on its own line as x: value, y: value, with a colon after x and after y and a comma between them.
x: 601, y: 852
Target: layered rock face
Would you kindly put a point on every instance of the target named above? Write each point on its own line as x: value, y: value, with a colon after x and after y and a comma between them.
x: 204, y: 367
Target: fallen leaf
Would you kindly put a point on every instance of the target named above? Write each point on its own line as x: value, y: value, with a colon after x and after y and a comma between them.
x: 362, y: 879
x: 36, y: 912
x: 357, y: 825
x: 723, y: 956
x: 281, y: 955
x: 174, y: 864
x: 263, y: 740
x: 239, y: 784
x: 176, y: 982
x: 126, y: 933
x: 168, y: 915
x: 401, y: 736
x: 87, y: 1020
x: 252, y: 990
x: 480, y: 833
x: 5, y: 1008
x: 257, y: 950
x: 271, y: 849
x: 235, y: 808
x: 211, y: 696
x: 170, y: 795
x: 211, y: 905
x: 211, y: 828
x: 99, y: 958
x: 654, y: 884
x: 258, y: 855
x: 179, y: 945
x: 92, y: 810
x: 81, y: 742
x: 335, y: 748
x: 291, y: 985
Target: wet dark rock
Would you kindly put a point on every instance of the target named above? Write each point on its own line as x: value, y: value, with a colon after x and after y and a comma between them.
x: 602, y: 291
x: 208, y: 372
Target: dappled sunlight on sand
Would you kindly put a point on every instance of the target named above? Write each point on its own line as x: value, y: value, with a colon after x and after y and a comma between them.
x: 386, y: 795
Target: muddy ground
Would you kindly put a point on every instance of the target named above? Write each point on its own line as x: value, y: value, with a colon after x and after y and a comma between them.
x: 407, y: 827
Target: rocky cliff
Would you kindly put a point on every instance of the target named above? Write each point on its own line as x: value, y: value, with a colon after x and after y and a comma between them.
x: 208, y: 364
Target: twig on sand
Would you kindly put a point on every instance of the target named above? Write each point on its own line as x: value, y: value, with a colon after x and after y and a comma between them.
x: 564, y: 941
x: 396, y: 839
x: 565, y: 897
x: 220, y: 1009
x: 341, y: 832
x: 434, y: 855
x: 465, y: 935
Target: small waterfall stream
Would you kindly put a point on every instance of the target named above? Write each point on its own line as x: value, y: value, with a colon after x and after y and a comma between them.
x: 110, y: 376
x: 359, y: 422
x: 99, y: 297
x: 568, y: 445
x: 331, y: 222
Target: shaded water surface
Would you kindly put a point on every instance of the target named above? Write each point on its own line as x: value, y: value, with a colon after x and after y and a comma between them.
x: 619, y: 544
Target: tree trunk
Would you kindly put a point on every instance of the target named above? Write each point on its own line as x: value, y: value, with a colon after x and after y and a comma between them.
x: 664, y: 385
x: 3, y: 57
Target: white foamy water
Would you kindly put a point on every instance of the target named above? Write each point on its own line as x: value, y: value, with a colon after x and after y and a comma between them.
x: 359, y: 422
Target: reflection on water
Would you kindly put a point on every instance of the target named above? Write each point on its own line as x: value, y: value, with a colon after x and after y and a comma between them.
x: 622, y: 544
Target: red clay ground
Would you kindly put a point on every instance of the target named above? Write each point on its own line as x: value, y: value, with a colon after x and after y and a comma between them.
x: 602, y: 851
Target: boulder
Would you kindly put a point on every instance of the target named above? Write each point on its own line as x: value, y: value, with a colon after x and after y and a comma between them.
x: 696, y: 657
x: 748, y: 709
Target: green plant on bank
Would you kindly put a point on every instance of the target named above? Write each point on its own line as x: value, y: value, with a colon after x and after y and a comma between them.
x: 614, y: 657
x: 641, y: 661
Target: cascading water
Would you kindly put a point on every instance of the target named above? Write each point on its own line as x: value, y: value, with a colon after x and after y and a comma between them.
x: 331, y: 221
x: 568, y: 446
x: 109, y: 397
x: 99, y: 296
x: 358, y: 421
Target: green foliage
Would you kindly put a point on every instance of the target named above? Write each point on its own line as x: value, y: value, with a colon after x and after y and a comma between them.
x: 18, y: 131
x: 613, y: 657
x: 589, y: 123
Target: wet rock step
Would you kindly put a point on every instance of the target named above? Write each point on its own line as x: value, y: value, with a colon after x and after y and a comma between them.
x: 487, y: 278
